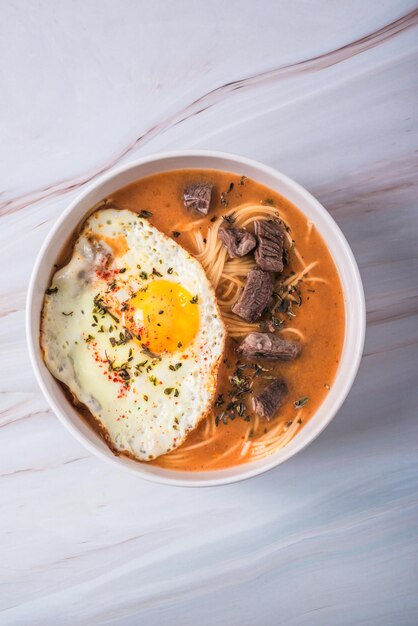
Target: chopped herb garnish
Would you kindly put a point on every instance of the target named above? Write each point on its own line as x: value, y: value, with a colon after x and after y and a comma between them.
x: 241, y: 384
x: 301, y: 402
x: 179, y: 345
x: 269, y: 201
x: 145, y: 397
x: 230, y: 219
x: 156, y: 272
x: 145, y: 214
x: 143, y: 275
x: 101, y: 308
x: 258, y: 370
x: 175, y: 367
x: 124, y: 374
x: 237, y: 381
x: 170, y: 270
x: 240, y: 408
x: 89, y: 338
x: 67, y: 314
x: 219, y: 400
x: 168, y: 390
x: 148, y: 351
x: 277, y: 322
x: 124, y: 337
x: 122, y: 270
x: 284, y: 306
x: 224, y: 200
x: 194, y: 300
x: 153, y: 380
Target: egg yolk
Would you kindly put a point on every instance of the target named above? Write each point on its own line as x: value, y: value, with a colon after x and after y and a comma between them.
x: 165, y: 316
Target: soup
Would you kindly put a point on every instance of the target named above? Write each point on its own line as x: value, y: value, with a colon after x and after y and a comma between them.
x: 278, y: 362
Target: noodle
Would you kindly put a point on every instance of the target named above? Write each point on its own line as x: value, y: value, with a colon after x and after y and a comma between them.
x: 228, y: 277
x: 296, y: 278
x: 295, y: 331
x: 315, y: 279
x: 224, y: 454
x: 275, y: 442
x: 310, y: 226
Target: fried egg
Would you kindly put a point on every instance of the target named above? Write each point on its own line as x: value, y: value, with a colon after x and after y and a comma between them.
x: 132, y: 327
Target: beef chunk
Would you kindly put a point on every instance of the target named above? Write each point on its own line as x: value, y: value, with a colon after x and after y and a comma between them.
x: 269, y: 346
x: 198, y: 197
x: 255, y: 296
x: 269, y: 401
x: 270, y: 240
x: 238, y: 241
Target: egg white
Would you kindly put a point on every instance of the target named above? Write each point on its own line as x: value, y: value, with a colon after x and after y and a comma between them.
x: 131, y: 424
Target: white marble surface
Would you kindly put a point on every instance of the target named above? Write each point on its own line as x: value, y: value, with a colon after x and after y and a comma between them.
x: 326, y: 92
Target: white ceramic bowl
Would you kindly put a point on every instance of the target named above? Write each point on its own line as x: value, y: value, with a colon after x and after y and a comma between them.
x: 340, y: 250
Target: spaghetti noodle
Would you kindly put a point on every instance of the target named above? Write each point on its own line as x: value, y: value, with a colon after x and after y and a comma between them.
x: 228, y: 278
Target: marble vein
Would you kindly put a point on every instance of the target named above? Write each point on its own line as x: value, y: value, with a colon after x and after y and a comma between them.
x: 209, y: 99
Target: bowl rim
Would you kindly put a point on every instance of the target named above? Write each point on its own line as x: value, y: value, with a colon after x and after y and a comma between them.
x: 248, y: 470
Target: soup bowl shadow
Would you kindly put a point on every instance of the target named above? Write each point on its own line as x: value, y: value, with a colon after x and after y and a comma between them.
x: 344, y: 259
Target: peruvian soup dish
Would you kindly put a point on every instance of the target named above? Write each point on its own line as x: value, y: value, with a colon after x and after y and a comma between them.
x: 196, y: 320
